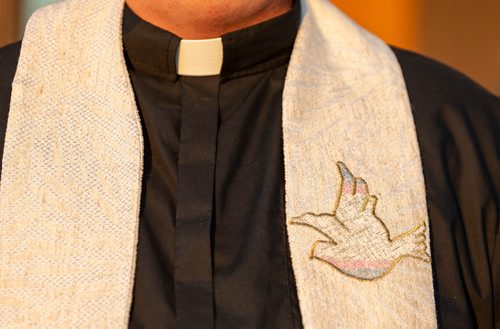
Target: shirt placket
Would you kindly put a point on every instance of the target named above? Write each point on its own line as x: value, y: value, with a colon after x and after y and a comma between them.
x: 194, y: 297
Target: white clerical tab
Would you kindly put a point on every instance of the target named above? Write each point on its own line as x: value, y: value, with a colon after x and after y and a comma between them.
x: 199, y: 57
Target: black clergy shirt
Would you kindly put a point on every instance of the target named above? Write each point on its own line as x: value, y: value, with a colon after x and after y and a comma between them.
x: 212, y: 240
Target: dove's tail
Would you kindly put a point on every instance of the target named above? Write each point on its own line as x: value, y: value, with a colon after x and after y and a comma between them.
x: 414, y: 243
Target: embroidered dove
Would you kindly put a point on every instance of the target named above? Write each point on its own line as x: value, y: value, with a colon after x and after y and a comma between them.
x: 357, y: 242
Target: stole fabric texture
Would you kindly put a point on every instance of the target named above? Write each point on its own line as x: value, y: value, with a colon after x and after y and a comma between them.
x: 349, y: 140
x: 72, y: 169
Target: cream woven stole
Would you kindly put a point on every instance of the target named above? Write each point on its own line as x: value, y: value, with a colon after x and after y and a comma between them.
x: 72, y: 169
x: 355, y: 195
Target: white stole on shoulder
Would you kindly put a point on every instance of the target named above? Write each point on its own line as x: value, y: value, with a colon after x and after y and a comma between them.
x: 355, y: 194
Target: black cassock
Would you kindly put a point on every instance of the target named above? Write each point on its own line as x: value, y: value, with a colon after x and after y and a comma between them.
x: 213, y: 150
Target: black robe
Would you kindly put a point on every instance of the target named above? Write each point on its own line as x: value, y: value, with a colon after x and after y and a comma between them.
x: 457, y: 125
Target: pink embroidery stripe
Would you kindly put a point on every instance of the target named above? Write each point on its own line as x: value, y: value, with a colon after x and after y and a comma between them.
x: 361, y: 189
x: 347, y: 189
x: 360, y: 264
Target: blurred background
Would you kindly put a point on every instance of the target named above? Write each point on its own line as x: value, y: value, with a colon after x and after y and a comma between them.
x: 464, y: 34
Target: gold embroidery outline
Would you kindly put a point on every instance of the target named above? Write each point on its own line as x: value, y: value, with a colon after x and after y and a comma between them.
x: 374, y: 200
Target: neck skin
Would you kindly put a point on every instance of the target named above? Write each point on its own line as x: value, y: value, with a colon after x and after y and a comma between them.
x: 204, y: 19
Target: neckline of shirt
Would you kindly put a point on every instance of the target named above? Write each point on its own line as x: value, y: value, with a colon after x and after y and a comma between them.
x: 251, y: 50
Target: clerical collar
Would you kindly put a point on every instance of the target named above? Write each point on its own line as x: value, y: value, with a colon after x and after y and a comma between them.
x: 200, y: 57
x: 254, y: 49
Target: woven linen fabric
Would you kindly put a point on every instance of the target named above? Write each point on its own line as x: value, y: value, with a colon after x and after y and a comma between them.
x: 72, y: 168
x: 350, y: 140
x: 70, y: 189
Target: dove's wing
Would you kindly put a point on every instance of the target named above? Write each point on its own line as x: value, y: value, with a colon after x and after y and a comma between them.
x: 355, y: 207
x: 351, y: 196
x: 352, y: 189
x: 326, y: 224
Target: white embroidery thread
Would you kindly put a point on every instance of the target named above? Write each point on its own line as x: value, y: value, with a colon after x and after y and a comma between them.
x: 358, y: 243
